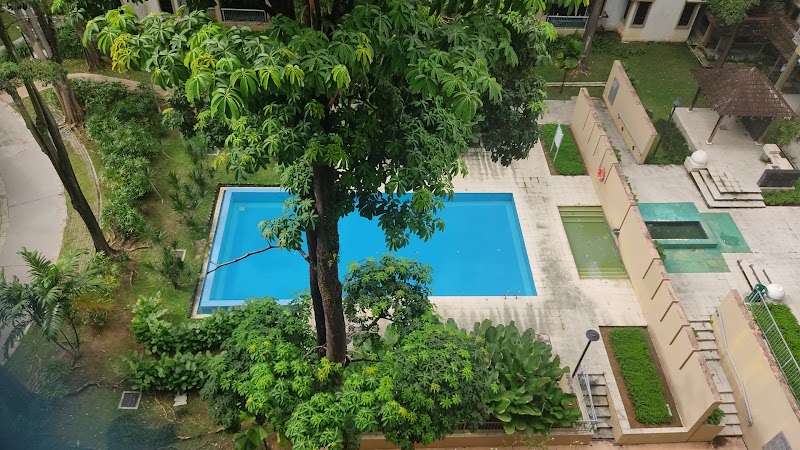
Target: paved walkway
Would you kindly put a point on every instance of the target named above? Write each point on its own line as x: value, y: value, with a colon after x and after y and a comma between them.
x: 33, y: 209
x: 86, y: 76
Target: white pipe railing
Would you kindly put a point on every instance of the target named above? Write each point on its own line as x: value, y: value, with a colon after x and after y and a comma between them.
x: 735, y: 369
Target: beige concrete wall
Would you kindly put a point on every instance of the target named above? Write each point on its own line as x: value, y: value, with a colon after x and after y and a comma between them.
x: 685, y: 369
x: 660, y: 25
x: 629, y: 115
x: 143, y: 8
x: 772, y: 405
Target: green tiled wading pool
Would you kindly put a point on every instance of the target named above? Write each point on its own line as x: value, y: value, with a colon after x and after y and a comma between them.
x: 692, y: 242
x: 593, y: 247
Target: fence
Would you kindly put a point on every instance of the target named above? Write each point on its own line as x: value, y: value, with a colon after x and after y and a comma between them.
x: 244, y: 15
x: 571, y: 22
x: 759, y: 306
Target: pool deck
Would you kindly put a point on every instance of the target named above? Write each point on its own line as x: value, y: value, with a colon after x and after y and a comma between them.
x: 566, y: 305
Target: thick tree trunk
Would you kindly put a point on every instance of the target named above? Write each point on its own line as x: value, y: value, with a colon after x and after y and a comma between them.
x: 73, y: 113
x: 328, y: 262
x: 313, y: 282
x: 729, y: 41
x: 591, y: 28
x: 92, y: 56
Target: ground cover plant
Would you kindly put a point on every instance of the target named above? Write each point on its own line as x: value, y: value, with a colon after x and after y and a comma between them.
x: 783, y: 198
x: 569, y: 161
x: 639, y: 373
x: 789, y: 328
x: 672, y: 147
x: 715, y: 418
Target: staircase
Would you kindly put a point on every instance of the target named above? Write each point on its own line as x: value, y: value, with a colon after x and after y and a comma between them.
x: 721, y: 190
x: 708, y: 346
x: 601, y: 408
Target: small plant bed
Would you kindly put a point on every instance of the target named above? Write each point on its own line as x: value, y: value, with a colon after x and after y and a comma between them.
x: 789, y: 328
x: 643, y: 388
x: 673, y: 148
x: 568, y: 161
x: 783, y: 198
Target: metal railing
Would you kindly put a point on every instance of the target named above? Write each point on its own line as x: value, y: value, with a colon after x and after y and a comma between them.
x: 577, y: 22
x: 759, y: 306
x: 579, y: 426
x: 586, y: 394
x: 243, y: 15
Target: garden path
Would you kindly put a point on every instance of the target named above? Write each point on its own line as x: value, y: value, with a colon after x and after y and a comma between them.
x: 131, y: 84
x: 33, y: 209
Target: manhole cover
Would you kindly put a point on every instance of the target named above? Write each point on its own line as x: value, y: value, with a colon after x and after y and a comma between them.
x: 130, y: 400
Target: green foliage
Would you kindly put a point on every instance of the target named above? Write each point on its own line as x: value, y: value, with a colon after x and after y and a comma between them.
x: 111, y: 99
x: 525, y: 395
x: 179, y: 372
x: 789, y: 328
x: 639, y: 373
x: 171, y: 265
x: 715, y: 418
x: 46, y: 301
x: 731, y: 11
x: 68, y: 42
x: 569, y: 161
x: 783, y: 132
x: 567, y: 51
x: 672, y: 149
x: 783, y: 198
x: 390, y: 288
x: 180, y: 114
x: 440, y: 381
x: 660, y: 249
x: 186, y: 196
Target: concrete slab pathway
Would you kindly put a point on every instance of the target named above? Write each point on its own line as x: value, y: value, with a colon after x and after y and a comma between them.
x: 35, y: 210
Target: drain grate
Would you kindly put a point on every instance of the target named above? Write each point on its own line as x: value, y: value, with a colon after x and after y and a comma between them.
x: 130, y: 400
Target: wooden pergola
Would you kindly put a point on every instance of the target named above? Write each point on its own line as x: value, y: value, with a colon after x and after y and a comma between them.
x: 741, y: 92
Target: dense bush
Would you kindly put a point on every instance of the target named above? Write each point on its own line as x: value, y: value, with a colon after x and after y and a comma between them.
x: 525, y: 394
x: 158, y: 335
x: 644, y: 386
x: 569, y: 160
x: 783, y: 132
x: 180, y: 372
x: 68, y: 41
x: 114, y: 99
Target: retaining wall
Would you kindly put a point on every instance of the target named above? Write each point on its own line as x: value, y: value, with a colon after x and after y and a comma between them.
x: 628, y: 113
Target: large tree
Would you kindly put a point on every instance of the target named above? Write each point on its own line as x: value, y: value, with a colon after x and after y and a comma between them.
x: 76, y: 13
x: 36, y: 24
x: 731, y: 13
x: 595, y: 11
x: 45, y: 131
x: 361, y: 105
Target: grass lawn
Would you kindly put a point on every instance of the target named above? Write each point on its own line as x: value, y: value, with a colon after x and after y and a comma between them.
x: 672, y: 149
x: 13, y: 30
x: 784, y: 198
x: 556, y: 93
x: 568, y: 160
x: 659, y: 71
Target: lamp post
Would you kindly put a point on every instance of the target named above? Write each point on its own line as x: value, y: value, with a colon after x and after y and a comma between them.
x: 592, y: 336
x: 676, y: 102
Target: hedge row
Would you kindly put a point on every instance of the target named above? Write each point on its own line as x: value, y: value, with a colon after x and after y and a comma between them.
x: 789, y: 327
x: 639, y: 373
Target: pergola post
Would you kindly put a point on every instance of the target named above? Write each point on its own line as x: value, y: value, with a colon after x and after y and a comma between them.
x: 787, y: 71
x: 694, y: 99
x: 714, y: 131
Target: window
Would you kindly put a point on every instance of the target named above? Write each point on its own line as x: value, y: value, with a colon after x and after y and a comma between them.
x: 612, y: 93
x: 627, y: 10
x: 640, y: 16
x: 686, y: 15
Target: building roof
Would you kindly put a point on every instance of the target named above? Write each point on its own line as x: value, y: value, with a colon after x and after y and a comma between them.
x: 742, y: 92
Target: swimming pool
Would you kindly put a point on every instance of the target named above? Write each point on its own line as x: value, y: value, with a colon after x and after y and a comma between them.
x: 480, y: 253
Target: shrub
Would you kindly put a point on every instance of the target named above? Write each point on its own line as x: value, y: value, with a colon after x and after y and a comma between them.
x: 525, y: 396
x: 68, y: 41
x: 569, y: 160
x: 180, y: 372
x: 120, y: 214
x: 783, y: 132
x: 783, y: 198
x: 639, y: 373
x: 115, y: 100
x: 672, y: 149
x: 170, y: 265
x: 715, y: 418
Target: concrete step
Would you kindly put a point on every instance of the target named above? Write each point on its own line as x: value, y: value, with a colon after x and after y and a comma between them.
x: 710, y: 355
x: 720, y: 195
x: 599, y: 390
x: 701, y: 325
x: 707, y: 345
x: 713, y: 203
x: 726, y: 182
x: 602, y: 411
x: 728, y: 408
x: 600, y: 400
x: 731, y: 431
x: 603, y: 433
x: 597, y: 379
x: 604, y: 422
x: 730, y: 419
x: 726, y: 397
x: 704, y: 335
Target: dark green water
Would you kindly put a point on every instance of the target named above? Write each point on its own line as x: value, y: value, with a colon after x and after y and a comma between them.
x: 676, y: 230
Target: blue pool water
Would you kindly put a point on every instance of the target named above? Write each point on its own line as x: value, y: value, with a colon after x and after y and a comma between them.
x: 480, y: 252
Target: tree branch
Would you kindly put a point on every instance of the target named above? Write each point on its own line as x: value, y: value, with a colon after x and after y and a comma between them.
x: 303, y: 254
x: 246, y: 255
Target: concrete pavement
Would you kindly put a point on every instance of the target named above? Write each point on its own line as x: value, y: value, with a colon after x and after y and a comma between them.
x: 33, y: 209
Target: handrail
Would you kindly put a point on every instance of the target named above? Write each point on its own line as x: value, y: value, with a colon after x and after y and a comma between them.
x: 735, y: 369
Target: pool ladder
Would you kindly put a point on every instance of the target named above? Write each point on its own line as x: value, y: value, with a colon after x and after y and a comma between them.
x: 508, y: 292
